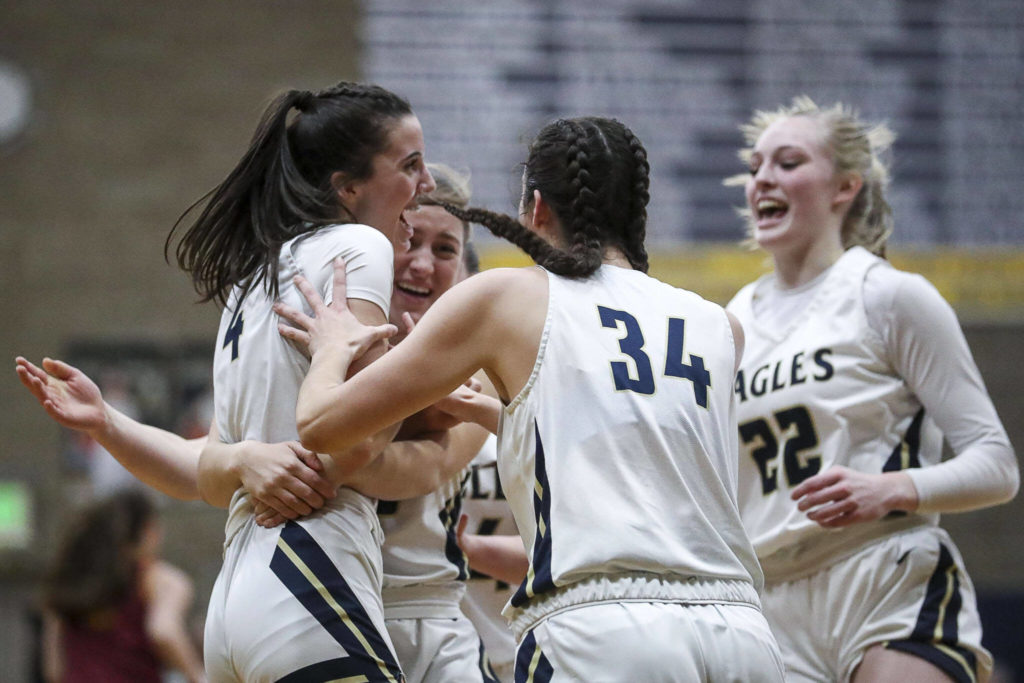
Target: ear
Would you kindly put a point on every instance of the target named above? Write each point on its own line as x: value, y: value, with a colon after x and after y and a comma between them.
x: 543, y: 219
x: 345, y: 188
x: 849, y: 185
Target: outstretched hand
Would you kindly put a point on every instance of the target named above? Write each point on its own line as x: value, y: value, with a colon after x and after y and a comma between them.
x: 334, y: 324
x: 65, y: 392
x: 841, y: 496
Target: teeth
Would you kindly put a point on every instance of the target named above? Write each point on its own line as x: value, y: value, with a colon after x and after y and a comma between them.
x: 769, y: 205
x: 414, y: 290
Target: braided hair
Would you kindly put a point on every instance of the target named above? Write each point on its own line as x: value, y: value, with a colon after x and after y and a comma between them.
x: 282, y: 185
x: 593, y: 172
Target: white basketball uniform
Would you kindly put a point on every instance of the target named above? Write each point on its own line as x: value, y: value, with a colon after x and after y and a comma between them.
x: 619, y: 461
x: 425, y: 575
x: 819, y: 391
x: 488, y: 514
x: 299, y: 602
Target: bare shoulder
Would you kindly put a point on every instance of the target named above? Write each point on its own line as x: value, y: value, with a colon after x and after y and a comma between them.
x: 161, y: 578
x: 494, y: 295
x: 504, y: 281
x: 738, y: 337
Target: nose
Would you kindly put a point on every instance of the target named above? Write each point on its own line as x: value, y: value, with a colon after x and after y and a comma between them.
x: 422, y: 263
x: 764, y: 175
x: 426, y: 184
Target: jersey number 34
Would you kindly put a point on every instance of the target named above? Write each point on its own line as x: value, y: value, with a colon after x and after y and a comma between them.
x: 632, y: 345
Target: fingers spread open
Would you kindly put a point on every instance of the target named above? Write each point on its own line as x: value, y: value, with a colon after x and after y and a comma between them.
x: 58, y: 368
x: 310, y: 294
x: 293, y: 315
x: 338, y: 286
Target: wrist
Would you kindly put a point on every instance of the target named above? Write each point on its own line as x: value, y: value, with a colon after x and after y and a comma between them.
x: 470, y: 546
x: 108, y: 427
x: 332, y: 359
x: 904, y: 494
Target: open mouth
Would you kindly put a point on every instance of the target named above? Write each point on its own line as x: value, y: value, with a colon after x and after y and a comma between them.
x: 405, y: 233
x: 771, y: 209
x: 413, y: 290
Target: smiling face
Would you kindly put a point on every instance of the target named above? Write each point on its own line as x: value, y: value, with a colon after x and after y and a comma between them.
x: 399, y: 176
x: 793, y: 191
x: 430, y: 267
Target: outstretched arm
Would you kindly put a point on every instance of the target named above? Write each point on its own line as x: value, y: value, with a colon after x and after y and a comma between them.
x: 158, y: 458
x: 287, y: 476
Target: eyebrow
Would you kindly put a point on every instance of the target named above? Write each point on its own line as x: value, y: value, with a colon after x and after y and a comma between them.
x: 777, y: 150
x: 412, y: 155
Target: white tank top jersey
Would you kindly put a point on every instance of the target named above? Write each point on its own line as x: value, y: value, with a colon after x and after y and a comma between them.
x: 619, y: 455
x: 488, y: 514
x: 815, y: 393
x: 256, y: 372
x: 425, y: 571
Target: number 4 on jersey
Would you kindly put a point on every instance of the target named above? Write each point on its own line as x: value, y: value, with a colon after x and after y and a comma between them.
x: 234, y: 332
x: 632, y: 346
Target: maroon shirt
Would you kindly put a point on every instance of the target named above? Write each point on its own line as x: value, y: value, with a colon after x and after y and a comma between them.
x: 121, y: 653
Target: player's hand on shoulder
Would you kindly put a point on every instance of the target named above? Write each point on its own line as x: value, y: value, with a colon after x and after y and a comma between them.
x: 330, y: 324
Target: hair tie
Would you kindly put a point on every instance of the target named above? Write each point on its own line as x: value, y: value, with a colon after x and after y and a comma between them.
x: 303, y: 100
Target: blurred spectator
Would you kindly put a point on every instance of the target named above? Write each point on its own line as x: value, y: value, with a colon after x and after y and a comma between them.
x: 113, y: 610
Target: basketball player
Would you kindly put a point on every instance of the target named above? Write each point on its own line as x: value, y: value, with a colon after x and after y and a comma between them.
x: 618, y: 408
x: 853, y: 372
x: 423, y: 572
x: 327, y: 174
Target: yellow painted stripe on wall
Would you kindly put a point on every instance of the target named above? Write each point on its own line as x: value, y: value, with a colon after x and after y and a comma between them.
x: 981, y: 284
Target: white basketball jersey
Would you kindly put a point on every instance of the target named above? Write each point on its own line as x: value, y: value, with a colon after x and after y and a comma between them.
x: 256, y: 372
x: 488, y: 514
x: 815, y: 393
x: 424, y: 568
x: 619, y: 455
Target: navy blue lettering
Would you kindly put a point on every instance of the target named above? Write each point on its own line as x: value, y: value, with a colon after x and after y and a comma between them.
x: 694, y: 371
x: 796, y: 375
x: 758, y: 387
x: 741, y: 389
x: 763, y: 455
x: 776, y: 382
x: 821, y: 362
x: 632, y: 346
x: 234, y: 331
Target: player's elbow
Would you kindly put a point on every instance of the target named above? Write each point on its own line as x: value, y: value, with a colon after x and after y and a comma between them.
x: 315, y: 434
x: 1012, y: 479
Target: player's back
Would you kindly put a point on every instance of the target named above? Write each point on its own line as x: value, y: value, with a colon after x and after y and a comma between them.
x: 619, y: 455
